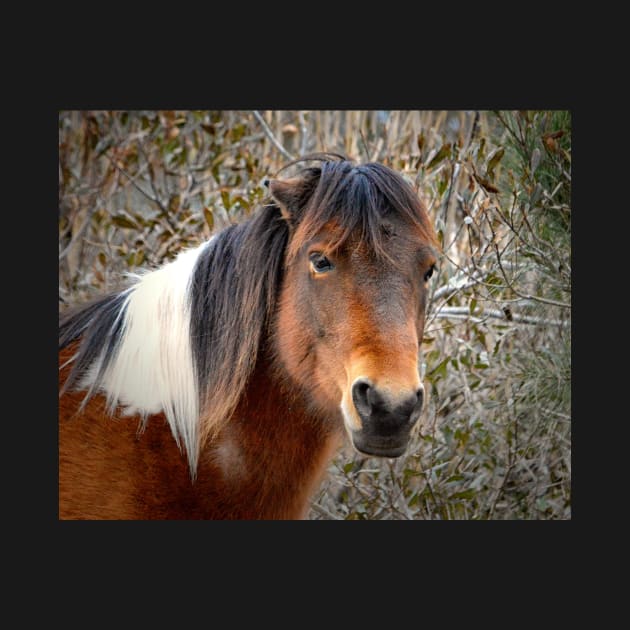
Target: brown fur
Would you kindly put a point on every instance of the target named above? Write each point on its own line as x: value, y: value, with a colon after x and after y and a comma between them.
x: 110, y: 470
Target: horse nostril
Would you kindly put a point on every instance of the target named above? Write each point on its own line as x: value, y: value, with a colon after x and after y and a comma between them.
x: 361, y: 390
x: 420, y: 397
x: 418, y: 403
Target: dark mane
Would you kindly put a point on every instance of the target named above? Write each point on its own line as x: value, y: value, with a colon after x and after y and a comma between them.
x: 358, y: 198
x: 232, y: 297
x: 99, y: 324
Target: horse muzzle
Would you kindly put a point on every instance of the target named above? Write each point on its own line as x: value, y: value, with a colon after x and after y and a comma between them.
x: 385, y: 420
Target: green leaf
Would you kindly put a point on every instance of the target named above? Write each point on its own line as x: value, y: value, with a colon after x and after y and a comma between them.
x: 444, y: 151
x: 440, y: 236
x: 442, y: 184
x: 454, y: 478
x: 472, y: 305
x: 535, y: 161
x: 464, y: 494
x: 481, y: 152
x: 481, y: 336
x: 439, y: 369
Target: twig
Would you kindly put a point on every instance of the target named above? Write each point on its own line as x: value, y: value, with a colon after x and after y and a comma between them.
x: 504, y: 274
x: 79, y: 233
x: 447, y: 201
x: 303, y: 132
x: 134, y: 184
x: 365, y: 144
x: 377, y: 151
x: 459, y: 312
x: 271, y: 137
x: 324, y: 512
x: 562, y: 416
x: 454, y: 288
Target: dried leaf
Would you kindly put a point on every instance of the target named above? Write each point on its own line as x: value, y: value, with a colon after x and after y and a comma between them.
x: 209, y: 216
x: 550, y: 141
x: 420, y: 140
x: 225, y: 196
x: 123, y: 220
x: 173, y: 203
x: 484, y: 183
x: 289, y: 129
x: 494, y: 160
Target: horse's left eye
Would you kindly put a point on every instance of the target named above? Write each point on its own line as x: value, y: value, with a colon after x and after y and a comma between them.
x: 320, y: 264
x: 429, y: 273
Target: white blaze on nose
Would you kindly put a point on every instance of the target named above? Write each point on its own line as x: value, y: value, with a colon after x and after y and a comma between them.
x: 351, y: 418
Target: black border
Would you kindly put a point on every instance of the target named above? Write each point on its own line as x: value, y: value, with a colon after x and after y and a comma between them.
x: 379, y: 550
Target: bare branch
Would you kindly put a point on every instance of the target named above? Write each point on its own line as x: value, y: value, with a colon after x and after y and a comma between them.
x: 134, y: 184
x: 320, y: 509
x: 79, y: 233
x: 455, y: 285
x: 463, y: 312
x: 271, y: 137
x: 303, y: 132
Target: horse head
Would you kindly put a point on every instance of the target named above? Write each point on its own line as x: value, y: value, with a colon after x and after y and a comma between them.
x: 351, y: 310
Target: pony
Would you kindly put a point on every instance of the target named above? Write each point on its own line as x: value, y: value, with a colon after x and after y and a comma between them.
x: 221, y: 384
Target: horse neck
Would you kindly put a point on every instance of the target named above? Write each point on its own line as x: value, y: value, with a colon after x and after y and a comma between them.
x: 275, y: 449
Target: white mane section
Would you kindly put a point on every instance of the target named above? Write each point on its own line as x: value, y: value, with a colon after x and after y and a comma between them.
x: 153, y: 367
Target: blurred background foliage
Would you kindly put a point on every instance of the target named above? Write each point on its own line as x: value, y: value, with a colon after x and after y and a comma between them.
x: 135, y: 187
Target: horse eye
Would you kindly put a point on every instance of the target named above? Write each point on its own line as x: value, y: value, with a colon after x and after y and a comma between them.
x: 320, y: 264
x: 429, y: 273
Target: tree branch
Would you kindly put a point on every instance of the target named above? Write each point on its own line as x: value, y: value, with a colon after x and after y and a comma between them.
x: 303, y: 132
x: 271, y: 137
x: 463, y: 312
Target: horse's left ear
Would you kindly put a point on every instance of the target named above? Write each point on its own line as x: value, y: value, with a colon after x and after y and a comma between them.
x: 288, y: 194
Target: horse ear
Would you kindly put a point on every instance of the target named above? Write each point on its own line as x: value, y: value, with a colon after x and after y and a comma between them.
x: 287, y: 193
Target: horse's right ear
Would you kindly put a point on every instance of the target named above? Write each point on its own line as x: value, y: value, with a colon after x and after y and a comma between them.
x: 287, y: 193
